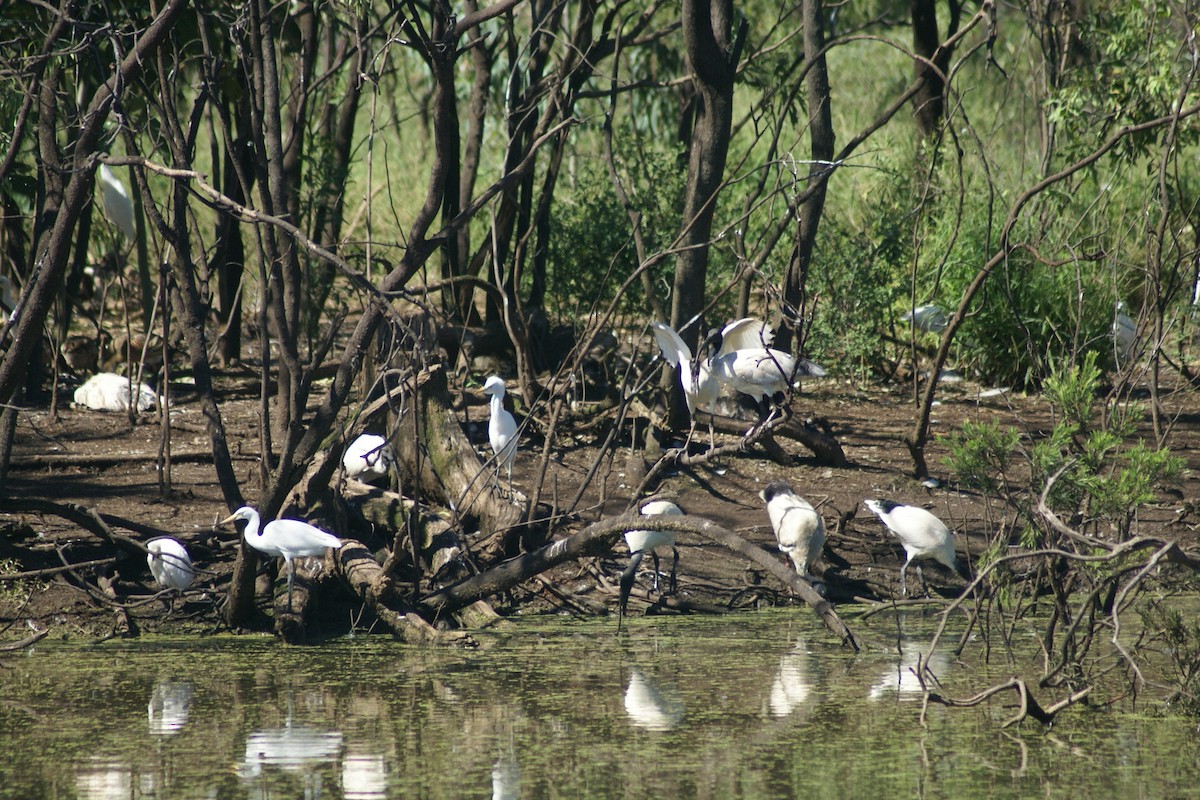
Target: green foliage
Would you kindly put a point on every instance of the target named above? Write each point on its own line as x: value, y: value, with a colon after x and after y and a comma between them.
x: 16, y: 592
x: 980, y: 454
x: 1180, y: 638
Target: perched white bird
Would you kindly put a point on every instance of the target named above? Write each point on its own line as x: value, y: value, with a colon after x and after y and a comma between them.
x: 927, y: 318
x: 117, y: 205
x: 502, y: 429
x: 641, y: 542
x: 922, y: 535
x: 799, y: 529
x: 367, y: 458
x: 284, y: 538
x: 108, y: 391
x: 170, y: 563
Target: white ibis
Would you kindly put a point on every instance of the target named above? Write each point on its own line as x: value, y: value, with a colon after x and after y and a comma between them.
x: 921, y: 534
x: 367, y: 458
x: 799, y: 529
x: 502, y: 429
x: 118, y: 208
x: 745, y: 363
x: 108, y: 391
x: 641, y: 542
x: 284, y: 538
x: 170, y: 563
x: 930, y: 318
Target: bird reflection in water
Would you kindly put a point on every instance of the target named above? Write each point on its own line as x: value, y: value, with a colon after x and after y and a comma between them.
x: 506, y: 778
x: 364, y: 775
x: 794, y: 682
x: 901, y: 678
x: 650, y: 707
x: 167, y: 712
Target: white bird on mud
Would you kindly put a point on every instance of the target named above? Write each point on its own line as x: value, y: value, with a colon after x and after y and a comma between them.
x: 284, y: 538
x: 170, y: 563
x: 746, y: 363
x: 928, y: 318
x: 118, y: 208
x: 502, y: 429
x: 641, y: 542
x: 799, y: 529
x: 367, y: 458
x: 108, y: 391
x: 922, y: 535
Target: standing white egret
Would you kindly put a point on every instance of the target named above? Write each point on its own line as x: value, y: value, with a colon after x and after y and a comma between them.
x: 170, y: 563
x: 117, y: 205
x: 799, y: 529
x: 367, y: 458
x: 641, y: 542
x: 502, y: 430
x: 108, y: 391
x: 284, y: 538
x: 921, y: 534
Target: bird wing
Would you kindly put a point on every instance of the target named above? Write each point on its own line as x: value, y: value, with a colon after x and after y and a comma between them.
x: 759, y: 372
x: 747, y: 333
x: 671, y: 345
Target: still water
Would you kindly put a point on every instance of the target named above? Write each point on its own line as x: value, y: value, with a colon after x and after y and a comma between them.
x: 746, y: 706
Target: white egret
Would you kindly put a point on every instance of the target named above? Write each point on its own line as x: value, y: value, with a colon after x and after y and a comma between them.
x: 928, y: 318
x: 108, y: 391
x: 641, y: 542
x: 284, y: 538
x: 117, y: 205
x: 921, y: 534
x: 367, y: 458
x: 799, y: 529
x: 170, y: 563
x: 502, y: 429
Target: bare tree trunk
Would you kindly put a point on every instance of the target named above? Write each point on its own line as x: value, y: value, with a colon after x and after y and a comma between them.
x: 929, y: 104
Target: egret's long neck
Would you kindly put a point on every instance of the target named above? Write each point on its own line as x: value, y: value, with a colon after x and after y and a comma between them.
x: 496, y: 404
x: 251, y: 532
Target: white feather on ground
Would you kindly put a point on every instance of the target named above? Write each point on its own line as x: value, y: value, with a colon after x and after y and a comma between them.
x: 108, y: 391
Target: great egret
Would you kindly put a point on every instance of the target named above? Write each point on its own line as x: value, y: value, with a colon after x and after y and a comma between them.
x: 921, y: 534
x: 799, y: 529
x: 502, y: 430
x: 117, y: 205
x: 170, y: 563
x: 367, y: 458
x: 928, y: 318
x: 284, y: 538
x: 641, y: 542
x: 107, y: 391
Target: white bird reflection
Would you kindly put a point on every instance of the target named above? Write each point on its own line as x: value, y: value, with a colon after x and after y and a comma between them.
x: 794, y: 681
x: 648, y: 707
x: 167, y: 712
x: 293, y: 748
x: 506, y: 778
x: 100, y: 778
x: 364, y: 775
x: 901, y: 678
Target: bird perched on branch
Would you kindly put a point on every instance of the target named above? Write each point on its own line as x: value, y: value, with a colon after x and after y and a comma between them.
x: 641, y: 542
x: 921, y: 534
x: 170, y: 563
x: 367, y: 458
x: 799, y: 529
x: 118, y: 208
x: 502, y: 429
x: 284, y: 538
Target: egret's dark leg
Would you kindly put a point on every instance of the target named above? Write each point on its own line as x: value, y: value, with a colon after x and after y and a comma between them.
x: 635, y: 560
x: 291, y: 573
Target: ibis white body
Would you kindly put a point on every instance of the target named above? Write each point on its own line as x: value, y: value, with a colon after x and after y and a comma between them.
x: 502, y: 428
x: 700, y: 389
x: 929, y: 318
x: 746, y: 363
x: 284, y: 538
x: 367, y: 458
x: 118, y: 208
x: 799, y: 529
x: 170, y: 563
x: 641, y: 542
x: 920, y: 533
x: 108, y: 391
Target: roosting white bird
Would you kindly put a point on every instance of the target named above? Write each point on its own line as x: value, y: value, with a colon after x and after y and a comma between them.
x: 170, y: 563
x: 921, y: 534
x: 367, y: 458
x: 641, y: 542
x: 108, y: 391
x: 1124, y: 331
x: 928, y: 318
x: 502, y: 429
x: 284, y: 538
x: 799, y: 529
x: 117, y: 205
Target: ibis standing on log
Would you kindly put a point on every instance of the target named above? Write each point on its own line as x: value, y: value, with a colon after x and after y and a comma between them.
x: 921, y: 534
x: 799, y: 529
x: 641, y: 542
x: 746, y: 363
x: 502, y: 429
x: 284, y: 538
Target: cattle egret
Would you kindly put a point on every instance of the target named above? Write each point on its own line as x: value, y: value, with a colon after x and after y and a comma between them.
x: 284, y: 538
x: 170, y: 563
x: 921, y: 534
x: 927, y: 318
x: 641, y: 542
x: 117, y: 205
x: 367, y: 458
x: 107, y: 391
x: 799, y: 529
x: 502, y: 430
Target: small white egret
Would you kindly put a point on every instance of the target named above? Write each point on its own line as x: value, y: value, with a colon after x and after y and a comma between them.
x: 284, y: 538
x: 117, y: 205
x: 170, y: 563
x: 367, y: 458
x: 921, y: 534
x: 108, y: 391
x: 928, y: 318
x: 641, y: 542
x: 799, y: 529
x: 502, y: 429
